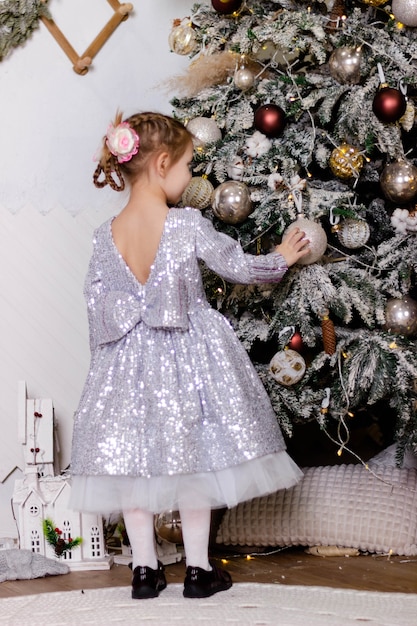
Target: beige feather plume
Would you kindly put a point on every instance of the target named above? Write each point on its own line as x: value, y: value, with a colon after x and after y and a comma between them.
x: 207, y: 71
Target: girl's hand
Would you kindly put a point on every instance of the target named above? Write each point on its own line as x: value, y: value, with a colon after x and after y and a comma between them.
x: 294, y: 246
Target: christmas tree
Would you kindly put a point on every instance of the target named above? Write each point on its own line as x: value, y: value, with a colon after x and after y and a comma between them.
x: 303, y: 113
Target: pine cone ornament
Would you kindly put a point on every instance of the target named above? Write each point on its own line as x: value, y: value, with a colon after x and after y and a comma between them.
x: 329, y: 335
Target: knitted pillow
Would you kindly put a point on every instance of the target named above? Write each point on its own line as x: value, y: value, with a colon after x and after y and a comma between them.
x: 340, y: 505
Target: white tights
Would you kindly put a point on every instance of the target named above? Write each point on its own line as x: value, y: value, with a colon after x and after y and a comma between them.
x: 195, y: 524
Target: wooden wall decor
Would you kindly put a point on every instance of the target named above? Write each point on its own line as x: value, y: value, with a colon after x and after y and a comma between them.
x: 82, y: 63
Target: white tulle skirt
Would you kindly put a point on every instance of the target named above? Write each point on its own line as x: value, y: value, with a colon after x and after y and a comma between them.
x: 224, y: 488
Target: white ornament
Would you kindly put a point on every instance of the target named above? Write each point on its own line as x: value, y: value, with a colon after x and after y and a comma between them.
x: 287, y: 367
x: 204, y: 130
x: 316, y: 236
x: 257, y: 145
x: 405, y: 11
x: 236, y: 168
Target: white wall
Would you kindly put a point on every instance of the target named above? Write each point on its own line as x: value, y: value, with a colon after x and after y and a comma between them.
x: 51, y: 123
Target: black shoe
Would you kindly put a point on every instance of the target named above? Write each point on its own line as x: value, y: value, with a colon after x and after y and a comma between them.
x: 199, y: 583
x: 148, y: 582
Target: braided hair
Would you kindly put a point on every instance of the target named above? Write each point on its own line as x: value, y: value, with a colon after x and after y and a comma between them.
x: 157, y: 132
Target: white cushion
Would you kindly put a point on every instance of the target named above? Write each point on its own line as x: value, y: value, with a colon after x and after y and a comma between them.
x: 342, y: 505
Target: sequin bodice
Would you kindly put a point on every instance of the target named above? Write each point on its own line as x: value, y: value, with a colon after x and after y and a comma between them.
x: 117, y: 301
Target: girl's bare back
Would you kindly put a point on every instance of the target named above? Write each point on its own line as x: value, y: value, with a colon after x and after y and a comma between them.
x: 137, y: 238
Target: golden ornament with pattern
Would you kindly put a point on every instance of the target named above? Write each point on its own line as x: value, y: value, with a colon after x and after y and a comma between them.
x: 346, y: 161
x: 198, y: 193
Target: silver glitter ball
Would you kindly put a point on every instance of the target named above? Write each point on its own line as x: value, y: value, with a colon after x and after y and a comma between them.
x: 353, y: 233
x: 345, y: 65
x: 405, y: 11
x: 231, y: 202
x: 401, y: 316
x: 204, y: 130
x: 399, y: 181
x: 315, y: 234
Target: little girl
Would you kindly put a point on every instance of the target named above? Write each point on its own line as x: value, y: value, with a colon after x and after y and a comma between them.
x: 173, y: 415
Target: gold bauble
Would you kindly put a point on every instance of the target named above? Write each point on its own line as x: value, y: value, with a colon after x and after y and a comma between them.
x: 401, y: 316
x: 399, y: 181
x: 345, y: 65
x: 231, y: 202
x: 182, y: 39
x: 198, y: 193
x: 346, y: 161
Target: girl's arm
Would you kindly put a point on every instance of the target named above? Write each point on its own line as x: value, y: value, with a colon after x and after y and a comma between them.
x: 225, y: 256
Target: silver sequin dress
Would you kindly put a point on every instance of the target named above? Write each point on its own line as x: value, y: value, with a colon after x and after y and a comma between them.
x: 173, y: 413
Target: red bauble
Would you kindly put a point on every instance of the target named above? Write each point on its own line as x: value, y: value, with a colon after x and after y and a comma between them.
x: 296, y: 342
x: 270, y: 120
x: 389, y: 104
x: 226, y: 7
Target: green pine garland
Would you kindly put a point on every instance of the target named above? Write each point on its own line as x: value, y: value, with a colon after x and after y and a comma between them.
x: 53, y: 537
x: 18, y: 19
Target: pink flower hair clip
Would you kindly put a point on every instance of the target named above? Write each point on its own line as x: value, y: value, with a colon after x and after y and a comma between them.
x: 122, y: 141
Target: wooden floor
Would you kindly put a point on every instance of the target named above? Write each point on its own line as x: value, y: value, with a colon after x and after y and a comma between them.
x: 286, y: 567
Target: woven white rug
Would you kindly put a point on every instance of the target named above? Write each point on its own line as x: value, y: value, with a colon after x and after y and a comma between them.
x: 244, y: 604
